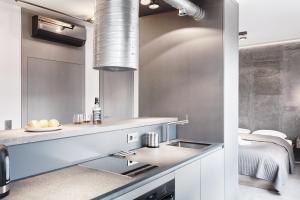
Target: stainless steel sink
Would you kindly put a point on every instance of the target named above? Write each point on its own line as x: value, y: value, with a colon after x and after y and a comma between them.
x: 187, y: 144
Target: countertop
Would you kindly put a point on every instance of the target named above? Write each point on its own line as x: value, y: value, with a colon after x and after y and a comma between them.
x: 80, y: 183
x: 20, y: 136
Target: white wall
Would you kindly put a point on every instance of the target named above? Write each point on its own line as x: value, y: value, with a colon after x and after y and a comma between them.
x: 231, y: 98
x: 91, y: 75
x: 269, y: 21
x: 10, y: 64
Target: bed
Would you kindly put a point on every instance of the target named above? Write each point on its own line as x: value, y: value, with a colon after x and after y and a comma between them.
x: 265, y: 158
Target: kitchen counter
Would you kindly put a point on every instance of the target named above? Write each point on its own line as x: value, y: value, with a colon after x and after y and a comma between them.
x: 20, y: 136
x: 80, y: 183
x: 73, y: 183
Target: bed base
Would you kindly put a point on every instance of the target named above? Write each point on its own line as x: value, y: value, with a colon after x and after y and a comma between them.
x: 255, y: 182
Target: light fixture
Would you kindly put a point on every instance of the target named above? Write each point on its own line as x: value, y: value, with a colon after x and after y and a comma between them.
x: 145, y: 2
x: 91, y: 19
x: 60, y: 24
x: 243, y: 35
x: 59, y: 29
x: 154, y: 4
x: 187, y: 8
x: 182, y: 12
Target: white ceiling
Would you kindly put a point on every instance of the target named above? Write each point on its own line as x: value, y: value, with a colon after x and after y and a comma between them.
x: 79, y: 8
x: 269, y: 20
x: 265, y: 20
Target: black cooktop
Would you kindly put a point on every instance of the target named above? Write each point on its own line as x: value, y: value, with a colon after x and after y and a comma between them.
x: 119, y: 166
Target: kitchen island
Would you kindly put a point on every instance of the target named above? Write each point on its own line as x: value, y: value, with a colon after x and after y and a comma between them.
x: 80, y: 183
x: 20, y: 136
x: 34, y: 153
x: 55, y: 165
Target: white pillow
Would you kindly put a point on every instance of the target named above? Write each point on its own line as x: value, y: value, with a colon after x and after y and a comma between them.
x: 243, y: 130
x: 271, y: 133
x: 244, y: 142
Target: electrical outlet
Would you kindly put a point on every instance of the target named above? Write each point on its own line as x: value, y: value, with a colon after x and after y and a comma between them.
x: 8, y: 124
x: 132, y: 137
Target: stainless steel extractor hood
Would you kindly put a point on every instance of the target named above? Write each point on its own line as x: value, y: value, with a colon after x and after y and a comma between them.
x: 116, y: 42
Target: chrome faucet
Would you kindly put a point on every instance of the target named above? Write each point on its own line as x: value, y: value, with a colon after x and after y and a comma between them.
x: 182, y: 122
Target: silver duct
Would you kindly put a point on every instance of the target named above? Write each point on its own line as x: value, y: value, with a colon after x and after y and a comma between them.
x: 186, y: 7
x: 116, y: 39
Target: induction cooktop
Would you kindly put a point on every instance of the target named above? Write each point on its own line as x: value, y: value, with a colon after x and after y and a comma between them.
x: 120, y: 166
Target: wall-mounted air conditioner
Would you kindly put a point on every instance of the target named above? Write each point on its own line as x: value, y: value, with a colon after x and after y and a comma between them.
x: 58, y: 31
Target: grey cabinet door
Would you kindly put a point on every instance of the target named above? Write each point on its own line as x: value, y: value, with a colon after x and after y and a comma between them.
x: 116, y: 91
x: 212, y: 176
x: 54, y: 90
x: 187, y: 182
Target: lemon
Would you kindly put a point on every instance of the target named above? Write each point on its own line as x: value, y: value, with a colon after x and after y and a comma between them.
x: 53, y: 123
x: 43, y: 123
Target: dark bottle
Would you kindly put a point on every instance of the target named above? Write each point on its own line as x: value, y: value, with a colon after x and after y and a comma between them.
x: 97, y: 113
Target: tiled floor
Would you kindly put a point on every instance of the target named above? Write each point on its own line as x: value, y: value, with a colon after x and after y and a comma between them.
x: 291, y: 190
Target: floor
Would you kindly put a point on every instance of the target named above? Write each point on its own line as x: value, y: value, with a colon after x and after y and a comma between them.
x: 290, y: 192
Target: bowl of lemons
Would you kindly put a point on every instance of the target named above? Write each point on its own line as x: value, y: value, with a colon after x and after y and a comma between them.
x: 43, y: 125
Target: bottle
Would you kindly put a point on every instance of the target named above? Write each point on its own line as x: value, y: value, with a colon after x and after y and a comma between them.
x: 97, y: 115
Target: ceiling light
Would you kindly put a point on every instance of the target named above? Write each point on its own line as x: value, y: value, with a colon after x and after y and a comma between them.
x: 145, y: 2
x: 154, y: 4
x: 182, y: 12
x: 91, y: 19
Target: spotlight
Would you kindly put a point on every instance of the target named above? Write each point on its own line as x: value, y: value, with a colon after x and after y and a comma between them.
x: 59, y: 29
x: 154, y: 4
x: 145, y: 2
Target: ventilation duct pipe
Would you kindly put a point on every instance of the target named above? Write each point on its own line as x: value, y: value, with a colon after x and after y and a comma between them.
x: 116, y: 35
x: 186, y: 7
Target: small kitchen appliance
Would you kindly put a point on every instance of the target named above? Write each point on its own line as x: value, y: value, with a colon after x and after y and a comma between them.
x: 4, y: 171
x: 152, y: 139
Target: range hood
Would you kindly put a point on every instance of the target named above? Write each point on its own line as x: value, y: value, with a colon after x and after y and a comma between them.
x: 116, y: 40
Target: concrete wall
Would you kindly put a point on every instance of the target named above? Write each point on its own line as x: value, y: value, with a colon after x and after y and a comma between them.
x: 270, y: 88
x: 181, y: 71
x: 117, y: 94
x: 91, y: 75
x: 64, y: 95
x: 189, y: 67
x: 10, y: 64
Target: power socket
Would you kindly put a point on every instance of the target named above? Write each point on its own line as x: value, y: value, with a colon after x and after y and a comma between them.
x: 8, y: 124
x: 132, y: 137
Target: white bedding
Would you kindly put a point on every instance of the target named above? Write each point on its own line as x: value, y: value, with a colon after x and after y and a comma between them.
x: 271, y: 133
x: 245, y: 142
x: 290, y: 142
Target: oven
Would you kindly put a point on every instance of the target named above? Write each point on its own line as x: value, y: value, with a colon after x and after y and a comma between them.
x: 165, y: 191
